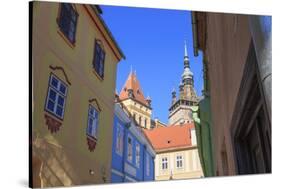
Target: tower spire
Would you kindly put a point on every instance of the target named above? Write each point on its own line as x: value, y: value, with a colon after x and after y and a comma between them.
x: 186, y: 59
x: 185, y: 49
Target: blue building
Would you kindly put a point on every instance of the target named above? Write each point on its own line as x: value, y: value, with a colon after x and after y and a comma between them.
x: 132, y: 154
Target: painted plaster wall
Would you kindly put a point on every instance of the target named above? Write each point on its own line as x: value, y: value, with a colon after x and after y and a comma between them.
x: 64, y: 154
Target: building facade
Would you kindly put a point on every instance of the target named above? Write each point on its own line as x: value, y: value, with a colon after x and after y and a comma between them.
x: 74, y: 60
x: 133, y: 98
x: 176, y: 152
x: 132, y: 154
x: 237, y: 62
x: 180, y: 111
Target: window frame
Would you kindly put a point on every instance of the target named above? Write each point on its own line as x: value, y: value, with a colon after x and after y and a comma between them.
x: 119, y: 140
x: 97, y: 121
x: 58, y: 93
x: 147, y: 164
x: 137, y: 154
x: 164, y: 161
x: 98, y: 45
x: 131, y: 149
x: 71, y: 21
x: 179, y: 160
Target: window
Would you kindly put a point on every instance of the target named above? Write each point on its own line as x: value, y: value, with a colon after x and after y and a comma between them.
x: 68, y: 21
x: 98, y: 61
x: 147, y: 164
x: 93, y: 117
x: 56, y: 97
x: 119, y: 140
x: 179, y: 161
x: 130, y: 149
x: 145, y: 120
x: 164, y: 163
x: 140, y: 120
x: 137, y: 154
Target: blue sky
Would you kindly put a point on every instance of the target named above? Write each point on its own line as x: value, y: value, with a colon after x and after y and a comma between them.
x: 153, y: 43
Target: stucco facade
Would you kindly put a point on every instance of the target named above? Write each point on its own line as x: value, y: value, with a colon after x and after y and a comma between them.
x: 65, y: 155
x: 191, y: 167
x: 239, y: 96
x: 132, y: 161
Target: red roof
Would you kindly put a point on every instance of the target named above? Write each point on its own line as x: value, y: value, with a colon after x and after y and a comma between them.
x: 133, y: 83
x: 171, y: 136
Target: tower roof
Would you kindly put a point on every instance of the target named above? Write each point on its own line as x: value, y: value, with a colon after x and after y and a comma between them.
x: 132, y: 84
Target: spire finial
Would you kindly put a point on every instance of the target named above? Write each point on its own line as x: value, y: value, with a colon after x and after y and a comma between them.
x: 131, y: 69
x: 185, y: 49
x: 135, y: 72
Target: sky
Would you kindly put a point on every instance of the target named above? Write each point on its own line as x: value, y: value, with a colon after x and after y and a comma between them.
x: 153, y: 43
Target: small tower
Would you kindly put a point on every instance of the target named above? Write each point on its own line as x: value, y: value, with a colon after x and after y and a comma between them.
x: 148, y: 100
x: 180, y: 110
x: 133, y: 98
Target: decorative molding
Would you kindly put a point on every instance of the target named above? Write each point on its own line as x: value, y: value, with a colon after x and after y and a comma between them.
x: 117, y: 172
x: 130, y: 170
x: 91, y: 143
x: 96, y: 102
x: 61, y: 69
x: 53, y: 124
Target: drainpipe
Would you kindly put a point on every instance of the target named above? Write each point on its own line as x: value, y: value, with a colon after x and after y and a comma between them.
x: 194, y: 33
x: 261, y: 32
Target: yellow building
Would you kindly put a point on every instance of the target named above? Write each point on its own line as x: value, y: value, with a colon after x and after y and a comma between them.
x: 176, y: 152
x: 74, y: 60
x: 133, y: 98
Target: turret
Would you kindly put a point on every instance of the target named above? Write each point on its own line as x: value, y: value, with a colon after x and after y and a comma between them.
x: 148, y: 100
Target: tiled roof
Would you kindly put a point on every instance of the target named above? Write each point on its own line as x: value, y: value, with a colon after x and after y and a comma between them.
x: 170, y: 137
x: 133, y: 83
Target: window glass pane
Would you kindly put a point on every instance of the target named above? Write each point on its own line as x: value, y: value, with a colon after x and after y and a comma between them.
x: 62, y: 88
x: 91, y: 111
x: 50, y: 105
x: 71, y: 31
x: 90, y: 123
x: 60, y: 100
x: 52, y: 95
x: 95, y: 127
x: 96, y: 114
x: 54, y: 82
x: 59, y: 111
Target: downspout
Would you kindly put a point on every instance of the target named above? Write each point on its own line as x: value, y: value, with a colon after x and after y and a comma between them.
x: 194, y: 33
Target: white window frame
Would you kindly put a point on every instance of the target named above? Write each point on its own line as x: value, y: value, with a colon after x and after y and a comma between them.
x: 129, y: 149
x: 58, y: 93
x: 137, y: 154
x: 179, y: 161
x: 119, y: 139
x: 95, y: 121
x: 147, y: 165
x: 164, y: 163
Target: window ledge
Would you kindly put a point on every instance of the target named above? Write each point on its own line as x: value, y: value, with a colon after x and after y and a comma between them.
x: 98, y: 76
x: 72, y: 45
